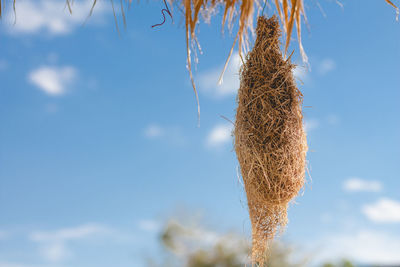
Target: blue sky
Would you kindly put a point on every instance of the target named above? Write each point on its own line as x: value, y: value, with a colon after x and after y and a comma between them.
x: 99, y: 143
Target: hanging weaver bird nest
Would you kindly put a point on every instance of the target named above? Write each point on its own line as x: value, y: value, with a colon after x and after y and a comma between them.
x: 270, y: 141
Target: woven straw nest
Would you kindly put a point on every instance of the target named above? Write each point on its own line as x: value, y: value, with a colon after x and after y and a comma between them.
x: 270, y: 141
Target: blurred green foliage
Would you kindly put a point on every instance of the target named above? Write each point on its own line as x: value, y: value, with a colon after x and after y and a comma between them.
x: 343, y: 263
x: 194, y: 246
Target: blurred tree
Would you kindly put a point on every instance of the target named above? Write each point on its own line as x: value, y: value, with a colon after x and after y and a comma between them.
x: 343, y: 263
x: 193, y: 246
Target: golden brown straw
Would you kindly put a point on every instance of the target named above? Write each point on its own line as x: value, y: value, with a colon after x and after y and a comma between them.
x: 292, y: 12
x: 270, y: 141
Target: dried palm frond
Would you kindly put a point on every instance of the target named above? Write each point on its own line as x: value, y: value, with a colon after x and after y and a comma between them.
x: 395, y: 7
x: 290, y: 13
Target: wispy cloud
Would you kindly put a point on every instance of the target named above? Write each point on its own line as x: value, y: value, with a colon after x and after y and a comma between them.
x: 384, y: 210
x: 66, y: 234
x: 170, y: 134
x: 326, y: 65
x: 54, y: 243
x: 55, y: 251
x: 219, y: 135
x: 310, y: 124
x: 323, y: 67
x: 149, y: 225
x: 52, y: 17
x: 354, y: 184
x: 301, y: 73
x: 208, y: 80
x: 153, y: 131
x: 14, y: 264
x: 364, y: 246
x: 53, y: 80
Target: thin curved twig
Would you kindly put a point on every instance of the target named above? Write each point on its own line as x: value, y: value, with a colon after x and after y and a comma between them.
x: 166, y: 9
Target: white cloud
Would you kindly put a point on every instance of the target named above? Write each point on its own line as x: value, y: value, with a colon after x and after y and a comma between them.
x: 54, y: 243
x: 219, y: 135
x: 52, y: 17
x: 66, y: 234
x: 383, y: 211
x: 300, y: 73
x: 13, y: 264
x: 208, y: 80
x: 53, y: 80
x: 153, y: 131
x: 149, y: 225
x: 310, y: 124
x: 364, y: 247
x: 326, y: 65
x: 169, y: 134
x: 55, y: 252
x: 355, y: 184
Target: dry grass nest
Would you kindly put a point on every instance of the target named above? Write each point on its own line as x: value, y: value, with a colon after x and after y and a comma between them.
x: 270, y: 141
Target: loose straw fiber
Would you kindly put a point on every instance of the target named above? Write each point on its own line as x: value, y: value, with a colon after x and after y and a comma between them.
x: 270, y: 141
